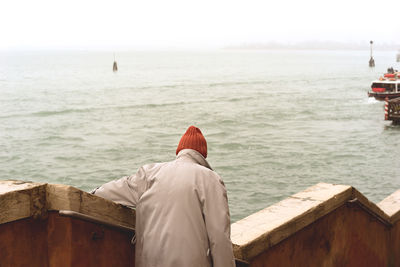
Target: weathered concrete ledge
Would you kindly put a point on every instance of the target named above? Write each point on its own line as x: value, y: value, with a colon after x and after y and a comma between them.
x: 19, y: 200
x: 50, y: 225
x: 391, y: 206
x: 259, y: 232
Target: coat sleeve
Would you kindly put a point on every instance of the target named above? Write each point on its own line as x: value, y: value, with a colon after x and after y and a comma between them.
x: 217, y: 221
x: 125, y: 191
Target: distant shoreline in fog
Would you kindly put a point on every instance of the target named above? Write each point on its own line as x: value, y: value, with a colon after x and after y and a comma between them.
x: 313, y: 45
x: 306, y: 45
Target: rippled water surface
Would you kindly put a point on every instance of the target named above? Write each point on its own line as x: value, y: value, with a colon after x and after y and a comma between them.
x: 276, y: 122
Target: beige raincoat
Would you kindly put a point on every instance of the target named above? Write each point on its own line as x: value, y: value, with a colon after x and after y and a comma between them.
x: 182, y: 214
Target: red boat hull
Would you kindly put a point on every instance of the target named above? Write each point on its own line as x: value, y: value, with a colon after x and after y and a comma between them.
x: 383, y: 95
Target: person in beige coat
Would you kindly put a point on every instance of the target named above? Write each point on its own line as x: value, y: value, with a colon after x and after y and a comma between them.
x: 182, y: 213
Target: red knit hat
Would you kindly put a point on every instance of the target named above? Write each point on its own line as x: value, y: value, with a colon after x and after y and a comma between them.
x: 193, y: 139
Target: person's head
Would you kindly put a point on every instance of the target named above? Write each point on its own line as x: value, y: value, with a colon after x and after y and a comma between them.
x: 193, y: 139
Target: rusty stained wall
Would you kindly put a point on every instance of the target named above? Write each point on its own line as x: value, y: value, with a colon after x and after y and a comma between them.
x: 63, y: 241
x: 394, y: 254
x: 348, y: 236
x: 23, y: 243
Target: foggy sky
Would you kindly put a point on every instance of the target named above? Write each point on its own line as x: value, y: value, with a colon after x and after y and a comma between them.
x: 197, y: 24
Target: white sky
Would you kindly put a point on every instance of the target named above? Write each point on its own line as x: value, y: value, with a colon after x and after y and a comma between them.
x: 189, y: 23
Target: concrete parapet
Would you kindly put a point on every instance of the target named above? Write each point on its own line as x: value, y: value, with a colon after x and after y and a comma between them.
x: 34, y: 233
x: 324, y: 225
x: 21, y: 199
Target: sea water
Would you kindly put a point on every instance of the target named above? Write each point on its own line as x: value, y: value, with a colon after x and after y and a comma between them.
x: 276, y: 122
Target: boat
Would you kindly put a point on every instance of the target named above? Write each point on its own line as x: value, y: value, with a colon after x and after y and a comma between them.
x: 387, y: 86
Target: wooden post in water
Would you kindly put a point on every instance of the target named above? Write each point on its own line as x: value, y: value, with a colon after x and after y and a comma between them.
x: 115, y: 67
x: 371, y: 60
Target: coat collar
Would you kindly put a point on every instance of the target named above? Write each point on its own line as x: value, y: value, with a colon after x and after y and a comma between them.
x: 194, y: 156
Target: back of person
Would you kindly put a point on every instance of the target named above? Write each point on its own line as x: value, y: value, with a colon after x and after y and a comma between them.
x: 170, y: 216
x: 182, y: 214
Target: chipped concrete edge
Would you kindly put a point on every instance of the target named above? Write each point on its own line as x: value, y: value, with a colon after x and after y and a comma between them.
x: 25, y: 201
x: 391, y: 206
x: 19, y: 200
x: 64, y: 197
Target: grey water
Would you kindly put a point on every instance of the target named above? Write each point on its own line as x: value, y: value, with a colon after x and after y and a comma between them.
x: 276, y: 122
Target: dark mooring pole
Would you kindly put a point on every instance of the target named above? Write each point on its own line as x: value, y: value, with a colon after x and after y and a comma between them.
x: 115, y: 67
x: 371, y: 60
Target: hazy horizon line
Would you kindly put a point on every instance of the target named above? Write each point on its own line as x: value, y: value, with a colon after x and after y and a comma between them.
x: 272, y: 45
x: 317, y: 45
